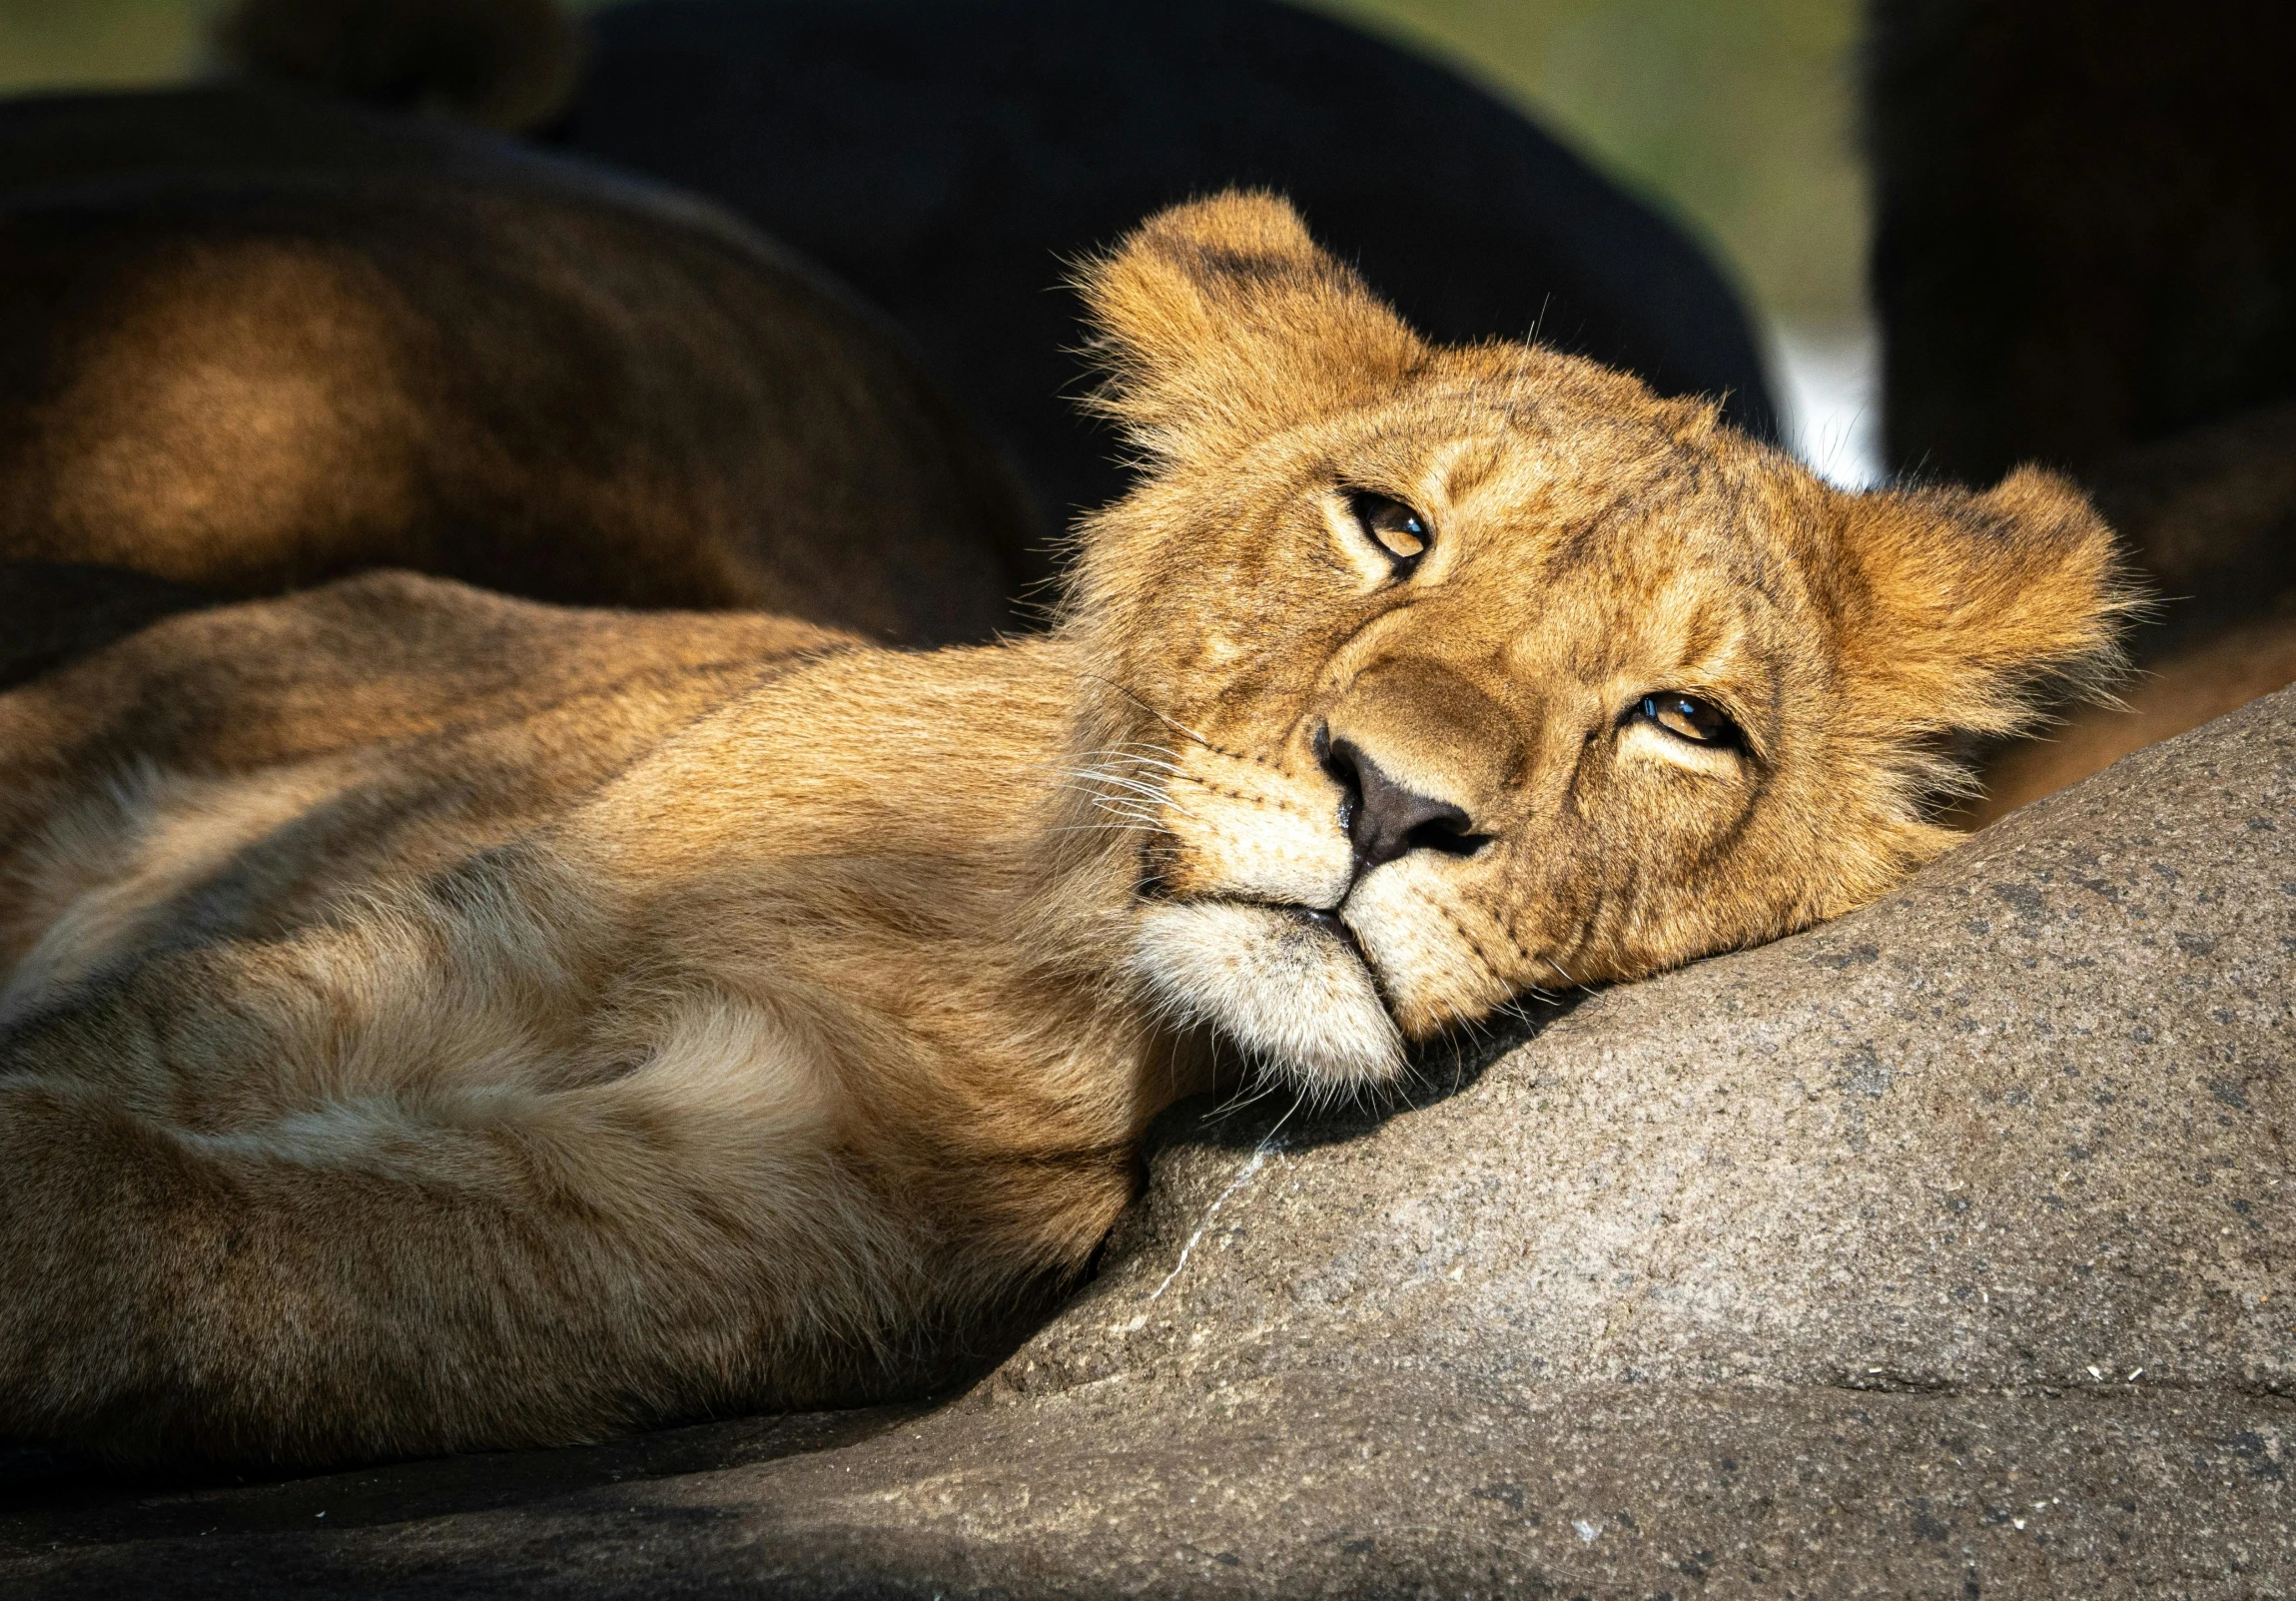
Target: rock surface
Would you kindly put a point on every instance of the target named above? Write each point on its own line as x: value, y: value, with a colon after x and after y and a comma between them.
x: 1942, y: 1251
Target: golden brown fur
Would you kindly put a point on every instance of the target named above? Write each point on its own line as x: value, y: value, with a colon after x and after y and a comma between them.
x: 438, y: 1021
x: 2208, y: 518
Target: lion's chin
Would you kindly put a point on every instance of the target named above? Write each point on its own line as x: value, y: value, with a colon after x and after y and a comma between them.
x: 1293, y: 994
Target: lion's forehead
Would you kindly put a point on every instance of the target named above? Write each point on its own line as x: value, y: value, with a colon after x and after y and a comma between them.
x: 1577, y: 554
x: 1562, y: 486
x: 1478, y: 426
x: 1648, y: 602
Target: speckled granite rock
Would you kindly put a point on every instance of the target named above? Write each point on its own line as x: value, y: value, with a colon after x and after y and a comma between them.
x: 1943, y: 1251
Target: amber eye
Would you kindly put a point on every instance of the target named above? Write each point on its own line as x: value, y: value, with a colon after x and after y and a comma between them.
x: 1687, y: 717
x: 1391, y: 526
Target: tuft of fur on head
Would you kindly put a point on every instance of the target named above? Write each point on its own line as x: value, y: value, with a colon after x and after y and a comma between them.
x: 510, y: 65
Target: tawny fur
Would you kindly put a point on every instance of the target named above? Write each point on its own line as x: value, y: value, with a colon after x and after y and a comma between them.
x: 2205, y: 519
x: 438, y: 1021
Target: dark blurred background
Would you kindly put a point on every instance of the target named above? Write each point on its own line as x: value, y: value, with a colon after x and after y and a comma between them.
x: 1735, y: 116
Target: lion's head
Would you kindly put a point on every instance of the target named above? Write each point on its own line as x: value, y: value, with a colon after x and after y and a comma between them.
x: 1425, y: 677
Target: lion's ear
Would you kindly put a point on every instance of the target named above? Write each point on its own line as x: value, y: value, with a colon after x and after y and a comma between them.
x: 1220, y: 321
x: 1969, y: 606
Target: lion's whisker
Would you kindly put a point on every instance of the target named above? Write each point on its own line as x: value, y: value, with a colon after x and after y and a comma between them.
x: 1165, y: 717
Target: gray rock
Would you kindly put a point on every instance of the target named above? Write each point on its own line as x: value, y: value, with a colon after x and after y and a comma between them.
x: 1942, y: 1251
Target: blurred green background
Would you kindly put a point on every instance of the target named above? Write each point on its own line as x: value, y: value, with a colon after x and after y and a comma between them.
x: 1734, y: 114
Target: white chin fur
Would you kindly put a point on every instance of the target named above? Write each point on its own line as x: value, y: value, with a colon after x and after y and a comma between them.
x: 1290, y: 995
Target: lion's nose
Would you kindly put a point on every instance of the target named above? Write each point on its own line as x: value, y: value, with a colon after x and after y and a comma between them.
x: 1385, y: 820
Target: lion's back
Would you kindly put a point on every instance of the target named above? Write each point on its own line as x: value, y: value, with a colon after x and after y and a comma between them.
x: 367, y: 728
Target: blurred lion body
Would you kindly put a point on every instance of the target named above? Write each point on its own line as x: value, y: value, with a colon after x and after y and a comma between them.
x: 437, y: 1021
x: 253, y: 341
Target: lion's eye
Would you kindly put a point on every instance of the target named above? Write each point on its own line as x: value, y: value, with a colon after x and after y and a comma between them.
x: 1391, y: 526
x: 1688, y: 717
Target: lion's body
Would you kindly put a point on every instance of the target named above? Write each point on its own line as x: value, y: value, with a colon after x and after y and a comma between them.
x: 435, y: 1020
x: 251, y: 341
x: 486, y: 988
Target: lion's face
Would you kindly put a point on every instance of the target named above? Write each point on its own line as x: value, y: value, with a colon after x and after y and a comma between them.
x: 1433, y: 677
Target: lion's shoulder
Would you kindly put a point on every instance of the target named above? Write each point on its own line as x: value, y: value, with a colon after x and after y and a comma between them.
x: 386, y: 662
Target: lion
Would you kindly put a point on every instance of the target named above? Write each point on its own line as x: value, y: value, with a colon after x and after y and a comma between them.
x: 437, y: 1021
x: 257, y: 339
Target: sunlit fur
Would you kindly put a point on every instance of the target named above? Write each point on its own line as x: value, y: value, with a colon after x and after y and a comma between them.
x: 1591, y: 545
x: 435, y: 1020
